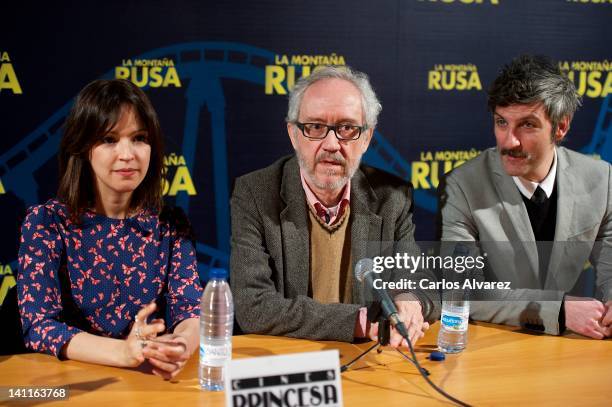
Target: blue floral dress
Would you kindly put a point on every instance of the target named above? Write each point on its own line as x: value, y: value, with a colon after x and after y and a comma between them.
x: 97, y: 275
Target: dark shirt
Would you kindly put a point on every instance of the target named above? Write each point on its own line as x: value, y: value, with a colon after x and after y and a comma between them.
x: 543, y: 219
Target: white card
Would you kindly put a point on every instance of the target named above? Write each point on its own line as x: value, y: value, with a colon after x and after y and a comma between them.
x: 299, y: 379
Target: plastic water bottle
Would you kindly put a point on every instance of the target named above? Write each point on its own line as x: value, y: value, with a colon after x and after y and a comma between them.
x: 216, y: 325
x: 452, y: 337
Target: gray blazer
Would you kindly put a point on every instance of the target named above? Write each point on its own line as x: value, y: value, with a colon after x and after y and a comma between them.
x: 482, y: 203
x: 270, y: 249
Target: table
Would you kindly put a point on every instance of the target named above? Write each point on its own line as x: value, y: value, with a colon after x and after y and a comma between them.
x: 501, y: 366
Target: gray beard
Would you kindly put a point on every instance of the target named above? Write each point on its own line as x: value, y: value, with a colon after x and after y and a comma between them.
x: 329, y: 186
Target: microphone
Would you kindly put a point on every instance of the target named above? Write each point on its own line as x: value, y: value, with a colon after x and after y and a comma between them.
x: 364, y: 273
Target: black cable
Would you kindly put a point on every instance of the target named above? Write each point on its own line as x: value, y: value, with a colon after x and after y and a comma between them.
x: 402, y: 330
x: 424, y: 372
x: 408, y: 358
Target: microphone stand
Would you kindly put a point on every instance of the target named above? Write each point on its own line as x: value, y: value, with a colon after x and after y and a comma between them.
x: 384, y: 336
x: 383, y: 339
x: 363, y: 273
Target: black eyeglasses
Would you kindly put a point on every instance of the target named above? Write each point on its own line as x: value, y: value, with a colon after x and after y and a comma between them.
x: 318, y: 131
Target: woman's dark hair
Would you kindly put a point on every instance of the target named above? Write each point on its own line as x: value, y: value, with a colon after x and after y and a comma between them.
x: 96, y: 111
x: 176, y: 217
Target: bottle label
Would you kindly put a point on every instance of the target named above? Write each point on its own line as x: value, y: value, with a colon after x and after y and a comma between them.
x: 215, y: 355
x: 455, y: 321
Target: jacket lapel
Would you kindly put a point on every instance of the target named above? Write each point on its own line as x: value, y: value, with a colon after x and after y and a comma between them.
x: 568, y: 189
x: 294, y: 230
x: 366, y: 227
x: 517, y: 213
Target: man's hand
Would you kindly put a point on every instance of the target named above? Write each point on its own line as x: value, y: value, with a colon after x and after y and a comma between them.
x: 411, y: 314
x: 606, y: 320
x: 586, y: 317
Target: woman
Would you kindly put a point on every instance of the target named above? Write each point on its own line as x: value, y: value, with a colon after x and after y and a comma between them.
x: 94, y: 262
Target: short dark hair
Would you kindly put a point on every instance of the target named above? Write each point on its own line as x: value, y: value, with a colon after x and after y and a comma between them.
x: 535, y: 79
x: 97, y: 109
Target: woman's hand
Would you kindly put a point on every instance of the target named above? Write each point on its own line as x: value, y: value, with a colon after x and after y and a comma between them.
x: 141, y: 335
x: 168, y: 355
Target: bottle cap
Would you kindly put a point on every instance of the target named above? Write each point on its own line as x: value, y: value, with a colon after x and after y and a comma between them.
x: 217, y: 273
x: 437, y: 356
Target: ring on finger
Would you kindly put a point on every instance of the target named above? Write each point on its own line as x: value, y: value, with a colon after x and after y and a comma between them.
x: 138, y: 334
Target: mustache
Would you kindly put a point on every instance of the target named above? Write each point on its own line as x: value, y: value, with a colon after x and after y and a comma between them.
x: 516, y: 153
x: 336, y: 158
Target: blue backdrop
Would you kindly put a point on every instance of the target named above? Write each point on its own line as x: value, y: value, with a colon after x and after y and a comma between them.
x: 218, y: 75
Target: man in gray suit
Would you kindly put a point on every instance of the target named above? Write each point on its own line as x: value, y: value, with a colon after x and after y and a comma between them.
x: 300, y: 225
x: 531, y: 189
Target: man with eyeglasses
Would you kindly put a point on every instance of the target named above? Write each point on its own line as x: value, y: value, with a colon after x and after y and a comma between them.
x: 300, y: 225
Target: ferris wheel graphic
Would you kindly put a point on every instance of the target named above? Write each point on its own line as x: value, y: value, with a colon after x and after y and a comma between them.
x: 601, y: 142
x: 203, y: 66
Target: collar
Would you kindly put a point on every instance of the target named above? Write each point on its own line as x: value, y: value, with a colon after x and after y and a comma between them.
x: 321, y: 210
x: 527, y: 188
x: 143, y: 220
